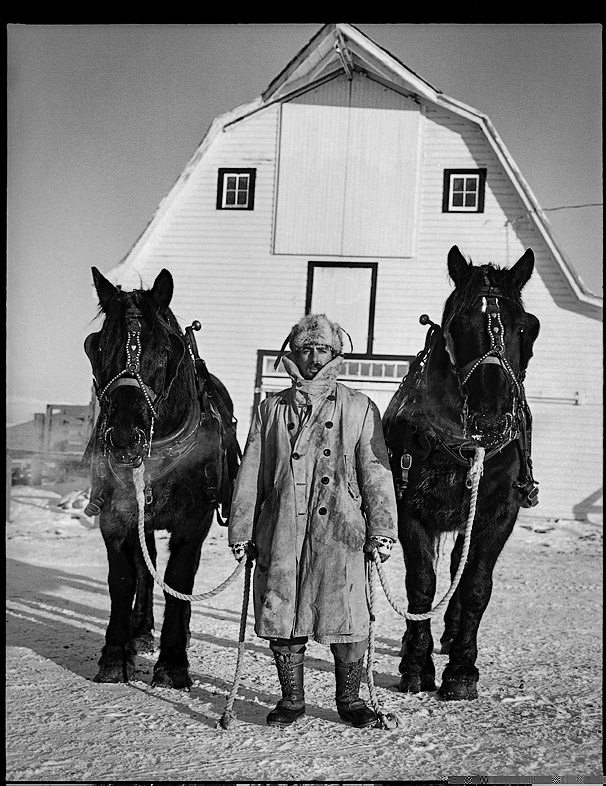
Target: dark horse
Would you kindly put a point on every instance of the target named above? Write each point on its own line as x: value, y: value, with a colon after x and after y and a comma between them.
x: 463, y: 390
x: 158, y: 407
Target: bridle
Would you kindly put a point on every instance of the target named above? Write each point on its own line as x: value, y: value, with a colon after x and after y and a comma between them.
x: 133, y: 363
x: 130, y: 376
x: 491, y: 297
x: 424, y: 432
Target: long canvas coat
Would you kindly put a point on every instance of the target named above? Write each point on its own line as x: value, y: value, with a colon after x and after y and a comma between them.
x: 314, y: 483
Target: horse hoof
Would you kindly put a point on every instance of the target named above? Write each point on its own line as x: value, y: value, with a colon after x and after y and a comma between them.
x: 144, y: 644
x: 458, y: 690
x: 415, y: 683
x: 116, y: 673
x: 164, y: 677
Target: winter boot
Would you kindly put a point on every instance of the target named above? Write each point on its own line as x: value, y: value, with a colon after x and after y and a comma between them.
x: 292, y: 704
x: 349, y: 704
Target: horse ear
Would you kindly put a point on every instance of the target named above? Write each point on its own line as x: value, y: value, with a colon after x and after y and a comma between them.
x: 457, y: 266
x: 522, y: 270
x: 105, y: 289
x: 162, y: 289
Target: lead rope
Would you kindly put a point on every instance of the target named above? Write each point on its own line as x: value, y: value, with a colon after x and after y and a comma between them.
x: 139, y: 481
x: 390, y: 720
x: 228, y: 713
x: 386, y: 720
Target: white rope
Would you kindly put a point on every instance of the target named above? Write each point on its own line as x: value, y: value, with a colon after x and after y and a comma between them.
x: 139, y: 481
x: 385, y: 720
x: 474, y: 475
x: 229, y: 715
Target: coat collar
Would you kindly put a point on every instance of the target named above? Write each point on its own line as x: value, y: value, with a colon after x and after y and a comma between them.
x: 321, y: 385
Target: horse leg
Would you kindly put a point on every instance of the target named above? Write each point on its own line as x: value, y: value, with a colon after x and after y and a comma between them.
x: 460, y: 677
x: 416, y: 665
x: 453, y: 611
x: 143, y: 609
x: 172, y: 667
x: 116, y: 663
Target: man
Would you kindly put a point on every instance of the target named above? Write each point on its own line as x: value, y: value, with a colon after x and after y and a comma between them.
x: 313, y: 493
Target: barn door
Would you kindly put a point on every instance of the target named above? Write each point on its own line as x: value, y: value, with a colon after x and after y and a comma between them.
x: 347, y: 171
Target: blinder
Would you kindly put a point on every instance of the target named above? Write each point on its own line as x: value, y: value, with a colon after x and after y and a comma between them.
x: 490, y: 295
x: 501, y: 430
x: 170, y: 362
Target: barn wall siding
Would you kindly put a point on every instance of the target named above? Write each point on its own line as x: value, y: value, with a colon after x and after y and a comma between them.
x: 247, y: 297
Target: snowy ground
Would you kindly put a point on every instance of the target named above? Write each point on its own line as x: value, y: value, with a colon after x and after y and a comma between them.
x: 539, y: 711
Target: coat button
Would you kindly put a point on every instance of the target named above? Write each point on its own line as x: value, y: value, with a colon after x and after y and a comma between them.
x: 291, y: 425
x: 322, y: 511
x: 329, y: 424
x: 327, y: 452
x: 296, y: 456
x: 325, y: 480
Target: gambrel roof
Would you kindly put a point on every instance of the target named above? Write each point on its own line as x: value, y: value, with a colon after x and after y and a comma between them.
x: 341, y: 47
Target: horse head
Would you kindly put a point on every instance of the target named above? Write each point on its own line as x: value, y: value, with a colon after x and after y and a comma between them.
x: 489, y: 337
x: 136, y: 360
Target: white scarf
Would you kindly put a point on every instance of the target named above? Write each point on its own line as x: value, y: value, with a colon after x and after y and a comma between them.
x: 308, y: 391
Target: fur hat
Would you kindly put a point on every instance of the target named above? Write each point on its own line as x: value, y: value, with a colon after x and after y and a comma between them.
x: 316, y: 329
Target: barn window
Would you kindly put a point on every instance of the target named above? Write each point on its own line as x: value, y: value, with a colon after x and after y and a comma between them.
x: 236, y: 189
x: 463, y: 191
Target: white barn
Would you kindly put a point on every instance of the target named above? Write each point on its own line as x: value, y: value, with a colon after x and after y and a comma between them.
x: 341, y: 189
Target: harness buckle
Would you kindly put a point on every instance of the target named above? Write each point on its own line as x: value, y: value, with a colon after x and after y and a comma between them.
x: 149, y: 497
x: 402, y: 481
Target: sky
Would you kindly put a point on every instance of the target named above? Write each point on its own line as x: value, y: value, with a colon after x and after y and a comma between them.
x: 102, y: 120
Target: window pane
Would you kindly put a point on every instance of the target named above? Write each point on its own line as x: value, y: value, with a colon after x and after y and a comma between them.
x: 471, y: 184
x: 230, y: 181
x: 242, y: 197
x: 458, y: 184
x: 230, y: 198
x: 243, y: 181
x: 344, y: 294
x: 470, y: 200
x: 457, y: 200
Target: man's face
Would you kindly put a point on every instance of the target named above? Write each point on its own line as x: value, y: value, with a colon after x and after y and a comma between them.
x: 311, y: 358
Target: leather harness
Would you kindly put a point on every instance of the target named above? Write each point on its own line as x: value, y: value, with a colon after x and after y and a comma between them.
x: 164, y: 454
x: 429, y: 436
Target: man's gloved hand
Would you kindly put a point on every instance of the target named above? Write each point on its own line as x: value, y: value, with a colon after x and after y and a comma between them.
x: 381, y: 544
x: 243, y: 549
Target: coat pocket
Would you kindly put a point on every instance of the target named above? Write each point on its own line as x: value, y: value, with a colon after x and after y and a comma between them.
x: 352, y: 479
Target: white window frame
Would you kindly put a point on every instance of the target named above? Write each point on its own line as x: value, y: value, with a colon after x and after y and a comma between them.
x: 244, y: 182
x: 477, y: 176
x: 464, y: 208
